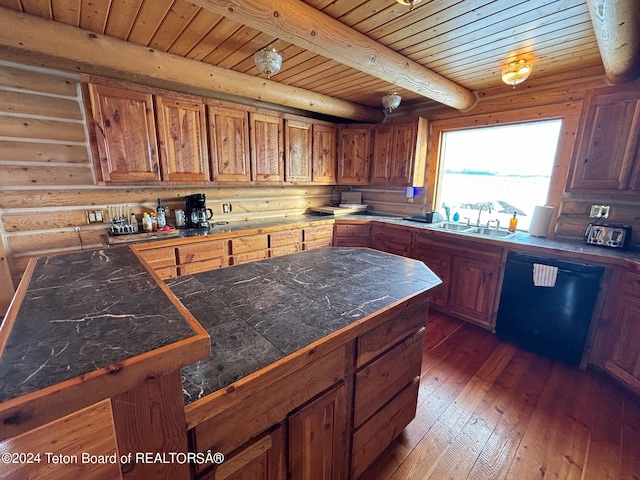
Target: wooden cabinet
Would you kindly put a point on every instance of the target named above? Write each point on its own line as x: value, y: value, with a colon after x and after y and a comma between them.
x: 354, y: 155
x: 261, y: 459
x: 229, y: 144
x: 606, y: 155
x: 201, y: 256
x: 162, y: 260
x: 351, y: 234
x: 392, y: 239
x: 285, y: 242
x: 248, y: 249
x: 474, y: 289
x: 438, y: 259
x: 624, y: 361
x: 317, y: 236
x: 297, y: 143
x: 125, y: 135
x: 317, y: 437
x: 324, y: 158
x: 399, y: 154
x: 267, y: 149
x: 183, y: 139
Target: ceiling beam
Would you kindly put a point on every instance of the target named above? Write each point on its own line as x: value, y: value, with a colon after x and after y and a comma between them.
x: 304, y: 26
x: 29, y: 39
x: 617, y: 27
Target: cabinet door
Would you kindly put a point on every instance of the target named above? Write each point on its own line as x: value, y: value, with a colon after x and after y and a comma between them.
x: 608, y: 145
x: 440, y: 264
x: 317, y: 438
x: 323, y: 156
x: 391, y: 239
x: 126, y: 135
x: 382, y: 153
x: 404, y: 151
x: 625, y: 363
x: 354, y: 155
x: 473, y: 289
x: 183, y: 141
x: 229, y: 143
x: 262, y: 459
x: 266, y: 148
x: 297, y: 161
x: 347, y: 235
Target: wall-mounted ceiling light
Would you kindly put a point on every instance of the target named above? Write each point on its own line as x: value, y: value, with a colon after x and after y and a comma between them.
x: 516, y: 72
x: 268, y: 61
x: 391, y: 101
x: 408, y: 3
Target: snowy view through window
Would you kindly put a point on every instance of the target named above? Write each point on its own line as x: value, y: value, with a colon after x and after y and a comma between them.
x: 508, y: 167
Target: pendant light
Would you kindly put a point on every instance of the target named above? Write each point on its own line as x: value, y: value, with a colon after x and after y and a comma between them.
x: 268, y: 61
x: 408, y: 3
x: 391, y: 101
x: 516, y: 72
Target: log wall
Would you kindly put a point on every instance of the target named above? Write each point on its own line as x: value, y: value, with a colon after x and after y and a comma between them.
x: 47, y: 178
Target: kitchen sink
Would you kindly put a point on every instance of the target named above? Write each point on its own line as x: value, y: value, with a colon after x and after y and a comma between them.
x: 490, y: 232
x: 456, y: 227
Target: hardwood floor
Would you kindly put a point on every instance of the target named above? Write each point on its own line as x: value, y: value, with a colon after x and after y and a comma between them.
x: 490, y: 410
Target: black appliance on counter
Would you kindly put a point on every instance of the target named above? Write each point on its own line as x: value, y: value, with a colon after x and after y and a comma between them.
x: 551, y: 320
x: 197, y: 214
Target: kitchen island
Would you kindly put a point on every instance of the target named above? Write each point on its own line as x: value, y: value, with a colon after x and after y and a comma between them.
x: 293, y: 338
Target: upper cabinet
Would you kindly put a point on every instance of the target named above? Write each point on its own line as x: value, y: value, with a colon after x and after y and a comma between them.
x: 323, y: 156
x: 399, y: 153
x: 354, y: 154
x: 606, y: 155
x: 183, y: 141
x: 266, y: 147
x: 229, y: 144
x: 298, y: 151
x: 125, y: 135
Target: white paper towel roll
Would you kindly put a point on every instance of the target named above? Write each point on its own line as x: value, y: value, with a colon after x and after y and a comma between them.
x: 540, y: 221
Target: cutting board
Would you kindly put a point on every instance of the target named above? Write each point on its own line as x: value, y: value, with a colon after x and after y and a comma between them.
x: 338, y: 210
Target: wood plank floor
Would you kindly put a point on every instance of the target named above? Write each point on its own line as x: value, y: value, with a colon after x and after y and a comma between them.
x: 490, y: 410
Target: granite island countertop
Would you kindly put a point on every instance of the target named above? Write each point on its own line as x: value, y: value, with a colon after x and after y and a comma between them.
x: 260, y: 312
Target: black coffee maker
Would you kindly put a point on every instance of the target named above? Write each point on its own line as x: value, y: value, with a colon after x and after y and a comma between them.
x: 197, y: 214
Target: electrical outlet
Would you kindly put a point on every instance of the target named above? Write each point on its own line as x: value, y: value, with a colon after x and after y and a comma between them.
x: 226, y: 207
x: 599, y: 211
x: 95, y: 216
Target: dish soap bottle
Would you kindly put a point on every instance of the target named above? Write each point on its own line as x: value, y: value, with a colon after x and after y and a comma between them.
x: 161, y: 218
x: 513, y: 223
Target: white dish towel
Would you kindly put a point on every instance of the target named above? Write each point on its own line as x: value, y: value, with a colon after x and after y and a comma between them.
x: 544, y: 275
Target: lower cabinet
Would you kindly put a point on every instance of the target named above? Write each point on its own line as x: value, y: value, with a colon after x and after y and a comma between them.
x: 392, y: 239
x: 248, y: 249
x: 351, y: 234
x: 317, y: 236
x: 285, y: 242
x: 161, y: 260
x: 201, y: 256
x: 325, y: 414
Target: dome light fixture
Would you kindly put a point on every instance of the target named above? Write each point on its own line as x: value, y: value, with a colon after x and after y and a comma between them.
x: 408, y: 3
x: 268, y: 61
x: 516, y: 72
x: 391, y: 101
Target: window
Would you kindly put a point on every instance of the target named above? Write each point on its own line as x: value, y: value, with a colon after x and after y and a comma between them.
x: 508, y: 166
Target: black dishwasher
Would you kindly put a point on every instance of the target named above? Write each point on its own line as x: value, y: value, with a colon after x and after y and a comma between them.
x: 553, y: 319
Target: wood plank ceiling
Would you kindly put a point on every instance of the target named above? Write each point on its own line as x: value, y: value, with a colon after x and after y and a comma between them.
x: 466, y: 41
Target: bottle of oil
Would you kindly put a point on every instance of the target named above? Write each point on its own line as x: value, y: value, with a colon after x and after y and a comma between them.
x: 513, y: 223
x: 160, y: 216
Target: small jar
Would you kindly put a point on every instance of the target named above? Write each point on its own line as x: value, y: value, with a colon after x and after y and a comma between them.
x: 147, y: 224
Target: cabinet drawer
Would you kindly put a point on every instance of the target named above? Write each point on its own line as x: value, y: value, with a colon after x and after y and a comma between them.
x: 204, y: 266
x: 319, y: 243
x: 166, y: 272
x: 631, y: 284
x: 200, y: 251
x: 352, y: 230
x: 159, y: 257
x: 248, y: 244
x: 375, y: 342
x: 316, y: 233
x: 284, y: 250
x: 289, y: 237
x: 248, y: 257
x: 383, y: 379
x: 391, y: 239
x: 237, y: 424
x: 372, y: 438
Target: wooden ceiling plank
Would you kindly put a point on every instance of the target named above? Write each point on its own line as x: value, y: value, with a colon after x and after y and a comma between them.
x: 231, y: 44
x: 372, y: 14
x: 173, y: 25
x: 66, y: 11
x: 331, y: 75
x: 616, y: 25
x: 151, y: 14
x: 466, y: 50
x: 245, y: 52
x: 203, y: 22
x: 39, y: 8
x: 27, y: 38
x: 12, y: 4
x: 212, y: 40
x: 304, y: 26
x: 93, y: 15
x: 303, y: 62
x: 321, y: 69
x: 121, y: 17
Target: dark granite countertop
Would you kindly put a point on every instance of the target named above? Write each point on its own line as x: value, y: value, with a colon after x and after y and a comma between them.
x: 83, y: 312
x: 260, y: 312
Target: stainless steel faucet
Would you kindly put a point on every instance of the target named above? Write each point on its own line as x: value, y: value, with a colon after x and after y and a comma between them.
x: 488, y: 206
